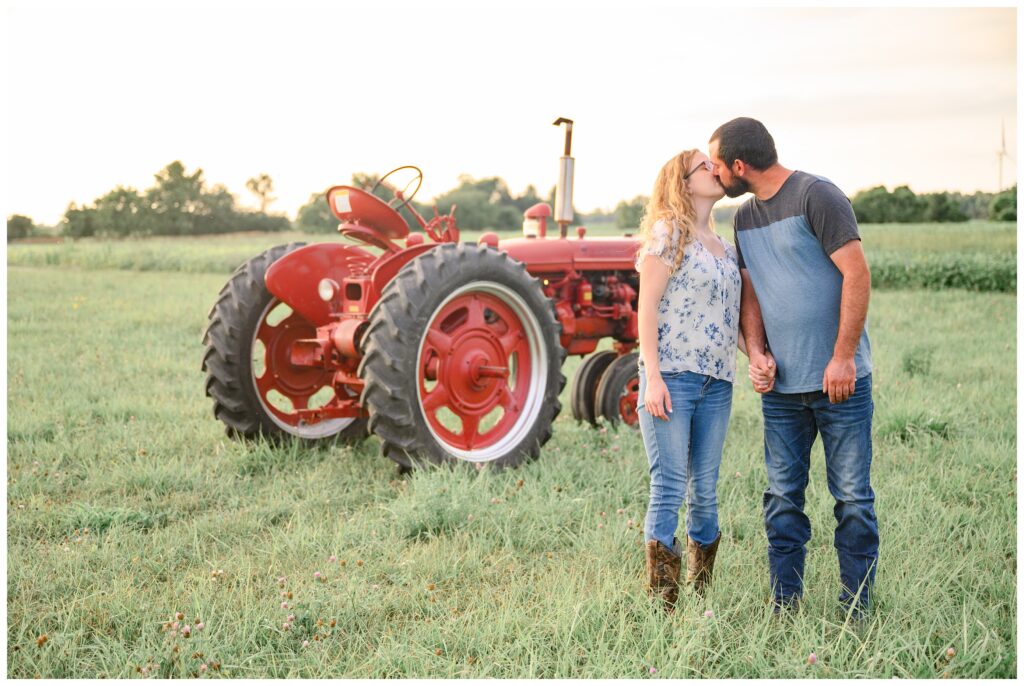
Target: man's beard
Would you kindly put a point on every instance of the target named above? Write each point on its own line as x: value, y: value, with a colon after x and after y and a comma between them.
x: 737, y: 188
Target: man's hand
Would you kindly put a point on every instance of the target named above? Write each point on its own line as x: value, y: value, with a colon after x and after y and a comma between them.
x: 841, y: 373
x: 762, y: 371
x: 657, y: 399
x: 840, y: 379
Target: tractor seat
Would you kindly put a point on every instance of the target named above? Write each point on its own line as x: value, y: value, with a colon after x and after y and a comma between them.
x: 355, y: 206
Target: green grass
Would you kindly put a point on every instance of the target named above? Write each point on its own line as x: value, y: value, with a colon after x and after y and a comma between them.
x: 979, y: 256
x: 109, y: 430
x: 968, y: 237
x: 976, y: 255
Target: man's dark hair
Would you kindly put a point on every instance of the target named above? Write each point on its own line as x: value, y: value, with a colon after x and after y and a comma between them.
x: 745, y: 139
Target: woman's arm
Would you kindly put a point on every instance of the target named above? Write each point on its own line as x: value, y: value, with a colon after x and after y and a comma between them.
x: 654, y: 276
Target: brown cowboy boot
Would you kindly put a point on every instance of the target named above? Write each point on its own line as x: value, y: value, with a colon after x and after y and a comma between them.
x: 700, y: 562
x: 663, y: 568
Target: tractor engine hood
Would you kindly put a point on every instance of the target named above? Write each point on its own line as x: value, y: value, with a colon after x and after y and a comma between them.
x: 562, y: 254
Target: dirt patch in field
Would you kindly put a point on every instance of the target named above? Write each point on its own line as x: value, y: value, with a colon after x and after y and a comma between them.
x: 40, y: 239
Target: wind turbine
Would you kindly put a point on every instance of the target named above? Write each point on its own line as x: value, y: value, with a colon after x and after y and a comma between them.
x: 1000, y: 154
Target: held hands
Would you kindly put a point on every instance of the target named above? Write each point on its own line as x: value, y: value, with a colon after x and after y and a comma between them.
x: 657, y: 399
x: 840, y: 379
x: 762, y: 371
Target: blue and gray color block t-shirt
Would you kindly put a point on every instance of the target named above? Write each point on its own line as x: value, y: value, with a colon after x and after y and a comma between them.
x: 784, y: 243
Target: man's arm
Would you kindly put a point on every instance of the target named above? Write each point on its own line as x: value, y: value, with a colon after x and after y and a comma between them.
x: 752, y: 330
x: 834, y: 223
x: 840, y: 376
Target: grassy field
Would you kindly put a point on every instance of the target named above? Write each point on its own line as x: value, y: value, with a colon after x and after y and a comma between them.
x: 896, y: 251
x: 127, y: 504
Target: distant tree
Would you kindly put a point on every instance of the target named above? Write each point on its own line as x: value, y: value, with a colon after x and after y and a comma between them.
x: 598, y: 216
x: 877, y: 204
x: 120, y: 212
x: 973, y: 206
x: 486, y: 204
x: 528, y: 199
x: 177, y: 204
x: 258, y: 221
x: 942, y: 207
x: 175, y: 201
x: 1004, y: 206
x: 629, y: 214
x: 905, y: 206
x: 473, y: 207
x: 78, y: 222
x: 19, y: 226
x: 724, y: 215
x: 315, y: 216
x: 262, y: 186
x: 508, y: 217
x: 870, y: 206
x: 216, y: 213
x: 368, y: 181
x: 494, y: 187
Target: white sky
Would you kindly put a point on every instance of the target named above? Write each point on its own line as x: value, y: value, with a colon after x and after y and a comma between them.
x: 110, y: 93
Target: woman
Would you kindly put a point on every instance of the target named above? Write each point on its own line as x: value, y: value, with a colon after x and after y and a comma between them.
x: 689, y: 329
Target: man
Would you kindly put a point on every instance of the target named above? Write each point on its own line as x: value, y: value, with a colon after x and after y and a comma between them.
x: 804, y: 302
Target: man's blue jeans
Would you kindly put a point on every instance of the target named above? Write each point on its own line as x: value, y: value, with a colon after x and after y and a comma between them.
x: 791, y: 423
x: 684, y: 455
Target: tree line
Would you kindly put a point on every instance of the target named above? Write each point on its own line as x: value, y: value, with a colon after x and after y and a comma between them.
x: 177, y: 204
x: 879, y: 206
x: 181, y: 203
x: 479, y: 204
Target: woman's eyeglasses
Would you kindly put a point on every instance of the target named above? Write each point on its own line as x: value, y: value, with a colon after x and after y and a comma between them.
x: 706, y: 164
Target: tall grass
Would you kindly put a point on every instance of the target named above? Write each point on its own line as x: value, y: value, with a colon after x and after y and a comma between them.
x: 126, y: 501
x: 985, y: 272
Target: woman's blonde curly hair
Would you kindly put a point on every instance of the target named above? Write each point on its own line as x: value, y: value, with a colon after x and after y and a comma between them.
x: 671, y: 202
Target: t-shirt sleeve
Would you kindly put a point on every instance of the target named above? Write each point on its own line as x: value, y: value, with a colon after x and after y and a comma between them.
x: 661, y: 245
x: 736, y: 241
x: 831, y: 216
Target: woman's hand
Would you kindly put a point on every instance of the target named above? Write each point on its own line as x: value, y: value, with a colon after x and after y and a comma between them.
x: 657, y: 399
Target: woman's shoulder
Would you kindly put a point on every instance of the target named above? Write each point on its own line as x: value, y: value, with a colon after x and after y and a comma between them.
x: 664, y: 228
x: 730, y: 249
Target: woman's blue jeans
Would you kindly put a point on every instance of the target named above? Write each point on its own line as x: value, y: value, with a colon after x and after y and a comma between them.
x: 684, y: 455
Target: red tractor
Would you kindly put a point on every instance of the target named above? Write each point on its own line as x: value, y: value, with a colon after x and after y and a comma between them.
x: 444, y: 350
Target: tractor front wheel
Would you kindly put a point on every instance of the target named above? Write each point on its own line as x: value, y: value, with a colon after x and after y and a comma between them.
x: 462, y: 361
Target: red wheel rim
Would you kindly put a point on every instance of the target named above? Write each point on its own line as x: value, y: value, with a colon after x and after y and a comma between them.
x: 628, y: 402
x: 479, y: 364
x: 290, y: 384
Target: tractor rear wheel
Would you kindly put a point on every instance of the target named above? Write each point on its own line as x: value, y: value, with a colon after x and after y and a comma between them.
x: 255, y: 388
x: 619, y: 391
x: 462, y: 361
x: 584, y: 386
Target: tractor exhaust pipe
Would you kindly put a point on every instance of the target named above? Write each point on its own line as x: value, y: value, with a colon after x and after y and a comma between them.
x: 563, y: 191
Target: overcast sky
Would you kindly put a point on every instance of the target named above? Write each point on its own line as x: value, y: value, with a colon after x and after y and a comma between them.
x: 108, y: 94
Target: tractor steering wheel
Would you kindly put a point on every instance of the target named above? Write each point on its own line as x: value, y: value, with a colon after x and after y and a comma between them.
x: 417, y: 179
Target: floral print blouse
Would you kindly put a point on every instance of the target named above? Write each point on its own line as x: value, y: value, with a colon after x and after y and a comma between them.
x: 699, y: 313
